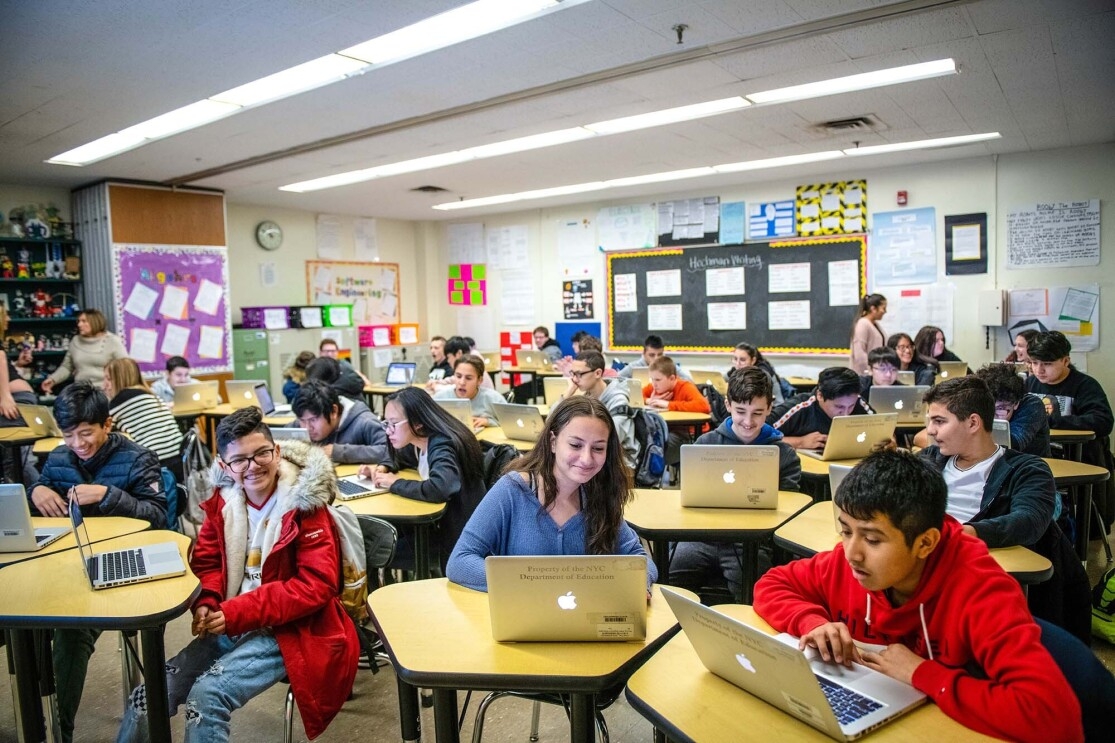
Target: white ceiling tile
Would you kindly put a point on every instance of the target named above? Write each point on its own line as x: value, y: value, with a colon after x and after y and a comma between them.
x: 903, y: 32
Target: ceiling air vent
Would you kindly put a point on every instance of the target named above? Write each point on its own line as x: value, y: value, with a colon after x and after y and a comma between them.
x: 854, y: 125
x: 431, y: 189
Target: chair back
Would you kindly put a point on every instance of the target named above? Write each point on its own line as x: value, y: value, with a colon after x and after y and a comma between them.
x: 380, y: 538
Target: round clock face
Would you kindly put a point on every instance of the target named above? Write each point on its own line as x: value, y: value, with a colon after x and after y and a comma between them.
x: 269, y: 235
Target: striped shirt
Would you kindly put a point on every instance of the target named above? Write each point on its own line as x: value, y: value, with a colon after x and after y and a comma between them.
x: 148, y: 422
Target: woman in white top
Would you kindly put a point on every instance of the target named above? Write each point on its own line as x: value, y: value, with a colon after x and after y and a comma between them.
x: 89, y: 352
x: 866, y: 332
x: 468, y: 371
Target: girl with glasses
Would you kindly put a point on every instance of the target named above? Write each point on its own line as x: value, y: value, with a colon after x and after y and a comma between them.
x: 924, y: 368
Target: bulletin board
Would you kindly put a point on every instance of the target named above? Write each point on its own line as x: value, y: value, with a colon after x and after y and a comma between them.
x: 172, y: 300
x: 792, y: 296
x: 371, y: 288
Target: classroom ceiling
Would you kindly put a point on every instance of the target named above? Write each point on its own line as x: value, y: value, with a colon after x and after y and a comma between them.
x: 1041, y: 72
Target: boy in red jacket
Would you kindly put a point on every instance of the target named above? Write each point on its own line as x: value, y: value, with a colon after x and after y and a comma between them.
x: 909, y: 594
x: 268, y: 558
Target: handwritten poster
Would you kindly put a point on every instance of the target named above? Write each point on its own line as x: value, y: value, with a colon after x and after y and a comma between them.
x: 371, y: 288
x: 1057, y: 233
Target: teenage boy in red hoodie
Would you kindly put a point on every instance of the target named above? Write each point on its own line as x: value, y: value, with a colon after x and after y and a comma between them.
x: 909, y: 594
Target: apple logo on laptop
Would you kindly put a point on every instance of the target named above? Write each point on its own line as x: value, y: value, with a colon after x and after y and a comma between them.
x: 897, y: 404
x: 197, y: 396
x: 730, y: 477
x: 39, y: 420
x: 744, y: 661
x: 247, y: 394
x: 567, y: 601
x: 519, y: 423
x: 861, y: 437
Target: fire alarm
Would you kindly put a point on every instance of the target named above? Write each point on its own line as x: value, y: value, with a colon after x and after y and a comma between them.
x: 902, y: 198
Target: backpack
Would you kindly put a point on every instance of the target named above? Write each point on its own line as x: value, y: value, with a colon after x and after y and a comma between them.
x: 718, y: 408
x: 1103, y: 607
x: 198, y: 486
x: 495, y: 459
x: 354, y: 566
x: 652, y: 434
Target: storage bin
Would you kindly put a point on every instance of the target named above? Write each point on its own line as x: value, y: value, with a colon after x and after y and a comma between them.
x: 406, y: 334
x: 376, y: 335
x: 337, y: 315
x: 306, y: 317
x: 270, y: 318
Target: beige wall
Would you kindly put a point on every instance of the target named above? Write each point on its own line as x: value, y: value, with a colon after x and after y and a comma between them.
x: 13, y: 195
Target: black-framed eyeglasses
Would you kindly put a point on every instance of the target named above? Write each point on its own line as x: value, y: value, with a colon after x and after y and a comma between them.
x: 579, y: 374
x: 241, y: 464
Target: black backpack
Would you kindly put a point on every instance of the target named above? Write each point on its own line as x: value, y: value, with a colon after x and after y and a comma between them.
x: 718, y: 408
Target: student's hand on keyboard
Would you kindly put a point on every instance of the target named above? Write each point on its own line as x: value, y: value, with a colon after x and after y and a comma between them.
x: 369, y: 471
x: 47, y: 502
x: 813, y: 440
x: 896, y: 661
x: 833, y: 641
x: 384, y: 479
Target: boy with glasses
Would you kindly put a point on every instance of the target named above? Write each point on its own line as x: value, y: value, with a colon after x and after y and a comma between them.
x: 586, y: 377
x: 268, y: 558
x: 882, y: 370
x: 1029, y: 425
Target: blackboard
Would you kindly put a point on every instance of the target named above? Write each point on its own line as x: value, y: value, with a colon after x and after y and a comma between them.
x: 829, y: 328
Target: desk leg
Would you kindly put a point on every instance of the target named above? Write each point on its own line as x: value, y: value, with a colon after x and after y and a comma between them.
x: 421, y: 551
x: 445, y: 716
x: 749, y: 568
x: 154, y: 664
x: 410, y: 719
x: 21, y: 649
x: 1083, y: 499
x: 582, y: 718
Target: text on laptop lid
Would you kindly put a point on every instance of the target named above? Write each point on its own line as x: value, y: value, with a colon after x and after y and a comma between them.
x: 17, y: 532
x: 729, y: 476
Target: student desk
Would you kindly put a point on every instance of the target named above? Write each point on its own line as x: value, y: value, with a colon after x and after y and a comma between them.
x: 816, y: 473
x: 11, y: 438
x: 379, y: 392
x: 814, y: 530
x: 100, y: 528
x: 691, y: 423
x: 1081, y: 478
x: 686, y: 702
x: 532, y: 376
x: 494, y: 435
x: 66, y: 600
x: 1071, y: 441
x: 802, y: 384
x: 448, y: 645
x: 658, y: 517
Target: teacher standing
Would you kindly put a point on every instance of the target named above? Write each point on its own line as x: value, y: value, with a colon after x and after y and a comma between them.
x: 866, y: 332
x: 89, y: 352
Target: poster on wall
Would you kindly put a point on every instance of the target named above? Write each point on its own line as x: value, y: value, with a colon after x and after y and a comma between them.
x: 172, y: 300
x: 576, y: 299
x: 965, y: 244
x: 468, y: 284
x: 371, y: 288
x: 770, y: 219
x: 1054, y: 234
x: 903, y: 247
x: 1073, y: 310
x: 831, y: 208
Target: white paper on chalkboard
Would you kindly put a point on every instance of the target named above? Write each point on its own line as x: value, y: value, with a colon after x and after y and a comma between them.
x: 843, y: 283
x: 664, y: 317
x: 724, y: 282
x: 788, y: 277
x: 664, y: 283
x: 727, y: 315
x: 626, y: 293
x: 792, y: 315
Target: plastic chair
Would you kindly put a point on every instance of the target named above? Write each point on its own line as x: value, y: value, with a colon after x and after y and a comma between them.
x: 603, y: 701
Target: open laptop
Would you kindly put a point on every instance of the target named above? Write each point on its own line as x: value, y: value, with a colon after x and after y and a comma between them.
x: 189, y: 398
x: 593, y: 598
x: 905, y: 402
x: 950, y: 369
x: 641, y: 373
x: 854, y: 436
x: 244, y: 393
x: 554, y: 388
x: 729, y: 476
x: 352, y: 487
x: 400, y: 373
x: 710, y: 377
x: 907, y: 377
x: 837, y: 473
x: 40, y: 420
x: 459, y: 409
x: 121, y: 567
x: 1000, y: 431
x: 289, y: 433
x: 17, y: 534
x: 635, y: 393
x: 519, y: 422
x: 798, y: 683
x: 532, y: 360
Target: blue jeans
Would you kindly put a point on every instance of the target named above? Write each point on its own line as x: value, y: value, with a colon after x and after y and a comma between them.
x: 213, y: 676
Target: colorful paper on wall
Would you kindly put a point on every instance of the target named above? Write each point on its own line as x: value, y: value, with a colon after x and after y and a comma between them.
x: 468, y: 284
x: 831, y: 208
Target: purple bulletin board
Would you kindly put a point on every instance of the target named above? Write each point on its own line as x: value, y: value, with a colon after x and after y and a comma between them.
x: 173, y: 301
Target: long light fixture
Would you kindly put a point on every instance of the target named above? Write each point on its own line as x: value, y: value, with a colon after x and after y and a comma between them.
x: 890, y: 76
x: 436, y: 32
x: 677, y: 175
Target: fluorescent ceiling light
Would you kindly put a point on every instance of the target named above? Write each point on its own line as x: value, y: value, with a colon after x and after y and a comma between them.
x: 777, y: 162
x: 672, y: 175
x: 924, y: 144
x: 181, y: 119
x: 668, y: 116
x: 98, y: 149
x: 864, y: 81
x: 313, y: 74
x: 522, y: 144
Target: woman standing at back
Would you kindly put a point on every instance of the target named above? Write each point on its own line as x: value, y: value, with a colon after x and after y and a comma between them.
x: 137, y: 412
x: 88, y: 353
x: 866, y: 331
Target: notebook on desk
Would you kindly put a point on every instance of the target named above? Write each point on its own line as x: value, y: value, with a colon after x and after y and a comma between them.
x: 17, y: 533
x: 905, y: 402
x: 854, y: 436
x: 400, y: 373
x: 193, y: 398
x: 729, y: 476
x: 40, y: 420
x: 519, y: 422
x: 843, y: 703
x: 583, y: 598
x: 121, y: 567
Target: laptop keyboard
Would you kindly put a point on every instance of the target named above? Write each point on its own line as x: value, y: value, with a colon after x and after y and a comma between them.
x: 847, y: 705
x: 124, y: 565
x: 350, y: 490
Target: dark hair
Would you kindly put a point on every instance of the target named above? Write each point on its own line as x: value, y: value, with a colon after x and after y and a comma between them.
x: 1051, y: 346
x: 590, y: 343
x: 593, y: 359
x: 867, y: 303
x: 837, y: 381
x: 327, y: 342
x: 317, y: 398
x: 176, y: 362
x: 653, y: 341
x: 883, y: 355
x: 926, y: 339
x: 605, y: 494
x: 238, y: 424
x: 757, y: 356
x: 79, y: 403
x: 324, y: 368
x: 1003, y: 383
x: 297, y: 370
x: 964, y: 396
x: 475, y: 363
x: 468, y: 339
x: 664, y: 365
x: 426, y: 418
x: 744, y: 385
x: 457, y: 344
x: 919, y: 357
x: 543, y: 330
x: 898, y: 485
x: 578, y: 336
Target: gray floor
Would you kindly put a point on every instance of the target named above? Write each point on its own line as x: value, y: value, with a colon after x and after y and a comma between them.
x: 370, y: 716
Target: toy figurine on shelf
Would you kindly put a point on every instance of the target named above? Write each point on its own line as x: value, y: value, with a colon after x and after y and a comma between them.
x: 19, y: 305
x: 23, y: 266
x: 7, y: 268
x: 40, y: 302
x: 54, y: 261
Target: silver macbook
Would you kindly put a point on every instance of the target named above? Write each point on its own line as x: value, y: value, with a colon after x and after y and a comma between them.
x: 579, y: 598
x: 459, y: 409
x: 854, y: 436
x: 710, y: 377
x: 951, y: 369
x: 554, y: 388
x: 40, y: 420
x: 283, y: 433
x: 729, y: 476
x: 907, y: 377
x: 519, y: 422
x: 352, y: 487
x: 400, y: 373
x: 17, y: 534
x: 532, y: 360
x: 1000, y: 431
x: 642, y: 373
x: 121, y: 567
x: 837, y: 473
x: 243, y: 393
x: 635, y: 393
x: 843, y: 703
x: 906, y: 402
x: 189, y: 398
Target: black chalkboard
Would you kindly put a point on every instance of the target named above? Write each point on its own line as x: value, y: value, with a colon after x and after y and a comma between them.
x: 829, y: 327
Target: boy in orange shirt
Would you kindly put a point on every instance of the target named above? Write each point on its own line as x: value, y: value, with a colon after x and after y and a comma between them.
x: 667, y: 392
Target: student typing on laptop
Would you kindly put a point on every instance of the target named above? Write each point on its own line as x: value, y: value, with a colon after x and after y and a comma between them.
x: 108, y: 475
x: 268, y: 559
x: 927, y: 605
x: 805, y: 419
x: 564, y: 497
x: 468, y: 373
x: 346, y: 429
x: 750, y: 393
x: 1029, y: 425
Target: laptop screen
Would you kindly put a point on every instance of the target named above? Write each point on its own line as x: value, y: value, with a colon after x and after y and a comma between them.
x: 400, y: 373
x: 263, y: 395
x: 81, y: 534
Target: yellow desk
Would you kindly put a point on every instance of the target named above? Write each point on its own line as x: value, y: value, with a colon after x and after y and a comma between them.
x: 1080, y: 478
x: 815, y: 474
x: 1071, y: 441
x: 448, y: 645
x: 45, y: 446
x: 100, y: 528
x: 802, y: 384
x: 495, y: 435
x: 67, y: 600
x: 658, y: 517
x: 687, y: 702
x: 814, y: 530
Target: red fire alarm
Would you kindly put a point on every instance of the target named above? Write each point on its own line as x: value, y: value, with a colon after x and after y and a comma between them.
x: 902, y: 198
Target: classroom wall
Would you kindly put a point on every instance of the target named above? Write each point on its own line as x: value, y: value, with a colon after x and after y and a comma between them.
x: 13, y: 195
x: 985, y: 184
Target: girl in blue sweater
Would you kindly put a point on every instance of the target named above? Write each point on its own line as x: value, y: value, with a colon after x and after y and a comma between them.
x: 565, y: 497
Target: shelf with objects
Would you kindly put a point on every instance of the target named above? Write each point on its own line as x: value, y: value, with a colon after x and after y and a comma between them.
x: 41, y: 287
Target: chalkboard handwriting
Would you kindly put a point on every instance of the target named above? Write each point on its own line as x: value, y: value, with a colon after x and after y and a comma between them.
x: 734, y: 260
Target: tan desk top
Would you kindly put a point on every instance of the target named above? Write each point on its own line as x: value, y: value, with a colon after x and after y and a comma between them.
x: 495, y: 435
x: 531, y: 370
x: 14, y: 436
x: 655, y: 513
x: 1068, y: 472
x: 389, y: 506
x: 814, y: 530
x: 226, y: 409
x: 100, y: 528
x: 682, y: 417
x: 814, y: 467
x: 680, y: 696
x: 46, y: 446
x: 1069, y: 436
